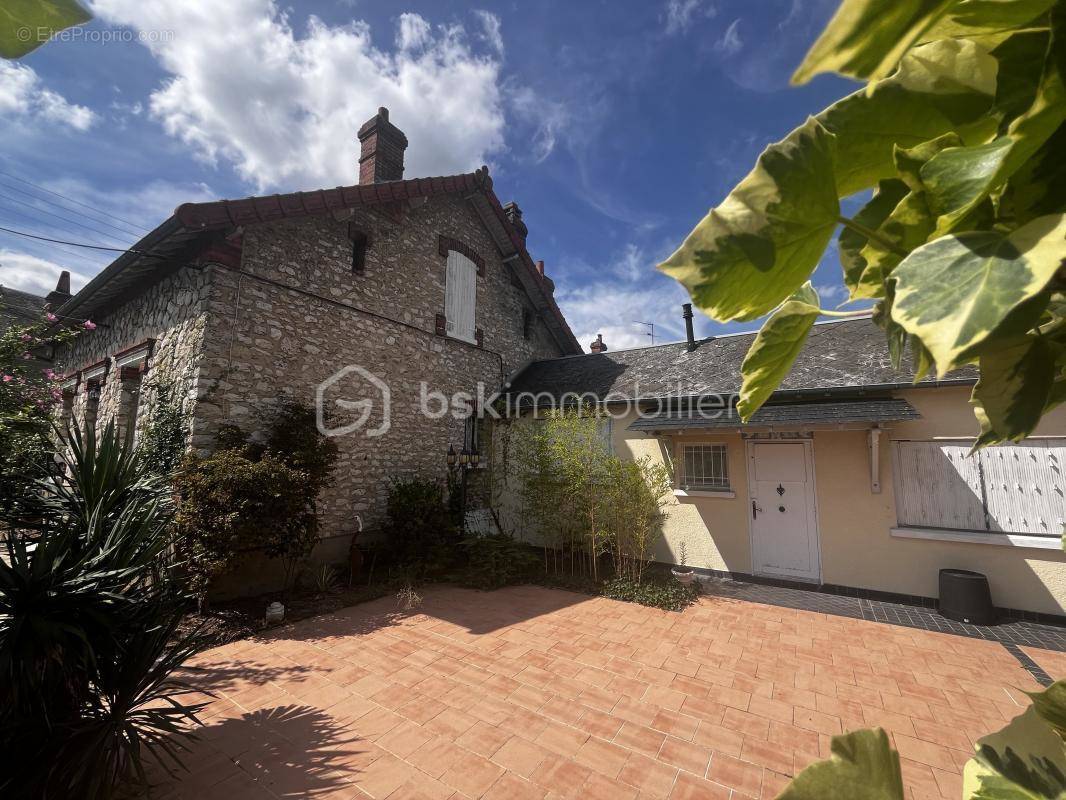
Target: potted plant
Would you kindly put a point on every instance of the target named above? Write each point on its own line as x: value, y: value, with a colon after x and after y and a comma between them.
x: 683, y: 573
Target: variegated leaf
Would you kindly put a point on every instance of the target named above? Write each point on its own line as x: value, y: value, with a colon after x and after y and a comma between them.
x: 956, y: 291
x: 775, y: 348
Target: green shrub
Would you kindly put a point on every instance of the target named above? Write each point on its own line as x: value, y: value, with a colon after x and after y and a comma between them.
x: 667, y: 596
x: 420, y: 529
x: 496, y: 561
x: 254, y: 496
x: 161, y: 443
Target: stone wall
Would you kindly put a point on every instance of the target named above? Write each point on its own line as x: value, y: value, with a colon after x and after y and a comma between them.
x: 296, y: 315
x: 173, y: 313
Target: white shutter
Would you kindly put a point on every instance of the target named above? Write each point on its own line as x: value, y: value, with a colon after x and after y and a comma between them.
x: 939, y: 486
x: 1024, y: 486
x: 459, y: 296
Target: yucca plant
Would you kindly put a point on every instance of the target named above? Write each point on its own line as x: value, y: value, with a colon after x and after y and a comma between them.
x: 89, y: 614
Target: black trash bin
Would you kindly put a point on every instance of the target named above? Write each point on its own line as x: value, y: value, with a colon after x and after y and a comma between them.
x: 965, y: 597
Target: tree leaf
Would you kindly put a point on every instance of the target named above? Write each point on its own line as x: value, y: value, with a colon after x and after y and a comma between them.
x: 1013, y: 389
x: 1050, y: 704
x: 866, y: 39
x: 973, y: 18
x: 958, y: 179
x: 940, y: 88
x: 751, y: 252
x: 26, y: 24
x: 956, y: 291
x: 863, y: 767
x: 1024, y: 761
x: 852, y: 241
x: 775, y: 348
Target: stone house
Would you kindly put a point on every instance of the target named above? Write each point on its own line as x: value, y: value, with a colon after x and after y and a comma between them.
x: 374, y: 299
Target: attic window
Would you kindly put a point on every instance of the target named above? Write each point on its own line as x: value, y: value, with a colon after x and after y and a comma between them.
x: 359, y: 245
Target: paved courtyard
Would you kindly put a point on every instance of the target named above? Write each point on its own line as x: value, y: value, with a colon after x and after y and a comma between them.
x: 536, y: 693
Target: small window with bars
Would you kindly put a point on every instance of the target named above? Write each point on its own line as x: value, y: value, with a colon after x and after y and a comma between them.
x: 704, y: 466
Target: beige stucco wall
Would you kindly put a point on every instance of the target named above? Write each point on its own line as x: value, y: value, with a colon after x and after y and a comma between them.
x: 854, y: 523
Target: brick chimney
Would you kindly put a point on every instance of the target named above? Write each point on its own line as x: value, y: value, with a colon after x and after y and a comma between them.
x: 514, y: 214
x: 61, y: 293
x: 381, y: 149
x: 598, y: 346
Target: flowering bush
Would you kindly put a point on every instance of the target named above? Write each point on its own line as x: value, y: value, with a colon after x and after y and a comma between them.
x: 29, y: 393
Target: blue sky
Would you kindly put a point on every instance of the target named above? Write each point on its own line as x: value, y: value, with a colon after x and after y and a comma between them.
x: 614, y: 125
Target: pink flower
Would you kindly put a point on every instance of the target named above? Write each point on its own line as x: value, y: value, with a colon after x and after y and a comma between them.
x: 89, y: 325
x: 9, y: 378
x: 27, y: 356
x: 49, y: 373
x: 51, y: 317
x: 26, y: 337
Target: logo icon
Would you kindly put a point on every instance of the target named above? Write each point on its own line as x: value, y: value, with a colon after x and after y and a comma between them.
x: 363, y: 408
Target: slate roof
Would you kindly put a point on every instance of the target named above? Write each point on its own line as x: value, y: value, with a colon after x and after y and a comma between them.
x: 879, y: 410
x: 19, y: 308
x: 839, y: 357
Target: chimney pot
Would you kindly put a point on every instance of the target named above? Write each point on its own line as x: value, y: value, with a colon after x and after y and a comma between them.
x: 598, y: 346
x: 514, y: 215
x: 686, y: 312
x: 61, y: 293
x: 540, y: 268
x: 381, y: 149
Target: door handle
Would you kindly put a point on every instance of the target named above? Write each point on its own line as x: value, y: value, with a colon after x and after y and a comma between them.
x: 754, y: 510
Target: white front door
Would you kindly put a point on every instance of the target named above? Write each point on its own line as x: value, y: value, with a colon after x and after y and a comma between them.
x: 784, y: 533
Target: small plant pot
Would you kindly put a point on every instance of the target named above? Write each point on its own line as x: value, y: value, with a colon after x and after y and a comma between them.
x: 275, y: 613
x: 682, y: 575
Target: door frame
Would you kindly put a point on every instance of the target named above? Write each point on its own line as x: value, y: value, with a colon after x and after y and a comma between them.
x: 812, y: 502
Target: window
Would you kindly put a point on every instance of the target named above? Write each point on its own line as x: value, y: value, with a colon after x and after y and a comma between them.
x: 359, y: 245
x: 527, y: 323
x: 129, y: 401
x: 459, y: 297
x: 704, y: 466
x: 1014, y: 488
x: 92, y: 403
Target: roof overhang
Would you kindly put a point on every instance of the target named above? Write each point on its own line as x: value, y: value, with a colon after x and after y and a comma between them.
x: 834, y: 415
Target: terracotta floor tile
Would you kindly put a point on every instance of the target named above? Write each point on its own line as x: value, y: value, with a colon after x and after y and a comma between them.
x: 685, y: 755
x: 742, y: 776
x: 640, y: 739
x: 690, y: 787
x: 520, y: 756
x: 653, y: 778
x: 601, y: 756
x: 472, y: 774
x: 588, y: 697
x: 750, y: 725
x: 817, y: 721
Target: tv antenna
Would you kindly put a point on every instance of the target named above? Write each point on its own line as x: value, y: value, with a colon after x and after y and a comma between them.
x: 650, y: 329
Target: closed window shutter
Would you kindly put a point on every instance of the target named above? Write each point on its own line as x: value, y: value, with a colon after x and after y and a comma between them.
x: 459, y: 296
x: 1011, y: 488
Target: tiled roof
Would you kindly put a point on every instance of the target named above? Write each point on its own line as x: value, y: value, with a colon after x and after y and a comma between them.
x: 843, y: 355
x: 175, y: 236
x: 880, y: 410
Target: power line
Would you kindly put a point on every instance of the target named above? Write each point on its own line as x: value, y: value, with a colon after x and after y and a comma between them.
x: 97, y: 231
x: 76, y: 202
x: 32, y: 196
x: 58, y: 242
x: 81, y: 244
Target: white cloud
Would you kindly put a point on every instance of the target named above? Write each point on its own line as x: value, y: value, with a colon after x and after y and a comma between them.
x: 33, y: 274
x: 490, y: 24
x: 832, y: 294
x: 626, y: 291
x: 246, y: 88
x: 22, y: 93
x: 548, y: 118
x: 730, y: 44
x: 413, y: 32
x: 680, y: 14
